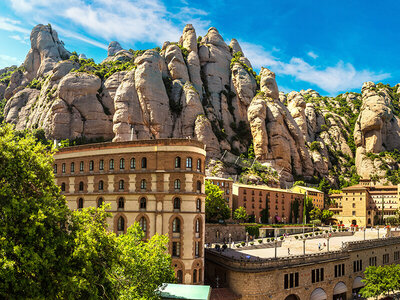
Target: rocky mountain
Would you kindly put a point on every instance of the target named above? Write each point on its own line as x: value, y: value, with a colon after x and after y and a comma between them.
x: 202, y: 88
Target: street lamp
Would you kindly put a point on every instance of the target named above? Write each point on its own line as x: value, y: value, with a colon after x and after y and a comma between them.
x: 378, y: 231
x: 328, y: 244
x: 365, y: 229
x: 304, y: 245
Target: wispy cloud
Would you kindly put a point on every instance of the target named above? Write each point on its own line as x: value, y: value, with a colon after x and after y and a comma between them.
x: 20, y: 38
x: 123, y: 20
x: 12, y: 26
x: 332, y: 79
x: 312, y: 54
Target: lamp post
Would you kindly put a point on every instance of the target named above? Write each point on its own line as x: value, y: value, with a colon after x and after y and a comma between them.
x: 328, y: 244
x: 276, y: 249
x: 365, y: 229
x: 230, y: 240
x: 378, y: 232
x: 247, y: 238
x: 304, y: 245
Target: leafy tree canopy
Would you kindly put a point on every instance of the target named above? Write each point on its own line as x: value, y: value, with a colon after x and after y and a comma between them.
x: 240, y: 214
x: 216, y: 207
x: 49, y: 252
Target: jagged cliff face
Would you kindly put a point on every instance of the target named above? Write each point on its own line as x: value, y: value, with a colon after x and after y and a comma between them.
x: 200, y: 88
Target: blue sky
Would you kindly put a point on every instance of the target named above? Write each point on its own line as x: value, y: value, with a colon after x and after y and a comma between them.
x: 329, y: 46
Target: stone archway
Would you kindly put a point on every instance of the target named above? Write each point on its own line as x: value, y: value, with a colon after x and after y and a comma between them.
x: 354, y: 222
x: 292, y: 297
x: 340, y: 291
x: 318, y: 294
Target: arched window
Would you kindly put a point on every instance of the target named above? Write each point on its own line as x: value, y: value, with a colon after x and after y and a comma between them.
x: 198, y: 205
x: 80, y: 203
x: 177, y: 203
x: 143, y: 224
x: 194, y: 276
x: 121, y: 224
x: 63, y: 168
x: 144, y: 163
x: 197, y: 226
x: 121, y: 184
x: 199, y: 164
x: 143, y: 184
x: 177, y: 184
x: 198, y: 186
x: 91, y: 165
x: 122, y: 163
x: 199, y: 275
x: 176, y: 225
x: 101, y: 164
x: 81, y: 165
x: 55, y: 168
x: 143, y: 203
x: 72, y: 167
x: 63, y: 186
x: 179, y: 276
x: 133, y: 163
x: 81, y: 186
x: 177, y: 162
x: 101, y: 185
x: 100, y: 202
x: 121, y: 203
x: 189, y: 163
x: 111, y: 164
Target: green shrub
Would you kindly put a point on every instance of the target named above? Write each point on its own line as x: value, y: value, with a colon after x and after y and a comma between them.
x: 259, y: 241
x: 272, y: 239
x: 315, y: 146
x: 251, y: 243
x: 305, y: 235
x: 243, y: 243
x: 268, y: 240
x: 237, y: 245
x: 296, y: 237
x: 334, y: 230
x: 281, y: 238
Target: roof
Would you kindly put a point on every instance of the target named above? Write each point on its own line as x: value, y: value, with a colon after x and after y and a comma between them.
x: 184, y: 291
x: 265, y: 187
x: 218, y: 178
x: 308, y: 188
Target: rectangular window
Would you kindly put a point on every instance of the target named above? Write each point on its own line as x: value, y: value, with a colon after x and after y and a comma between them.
x: 197, y: 248
x: 357, y: 265
x: 176, y: 249
x: 63, y: 168
x: 291, y: 280
x: 101, y: 164
x: 81, y: 166
x: 386, y: 258
x: 91, y: 163
x: 55, y: 168
x: 317, y: 275
x: 72, y: 167
x: 396, y: 255
x: 372, y: 261
x: 339, y: 270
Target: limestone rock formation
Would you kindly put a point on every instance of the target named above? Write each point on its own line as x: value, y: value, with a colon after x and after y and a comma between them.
x: 113, y: 48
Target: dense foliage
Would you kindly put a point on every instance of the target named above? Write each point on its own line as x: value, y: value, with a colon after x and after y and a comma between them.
x: 381, y: 280
x: 49, y: 252
x: 240, y: 214
x: 216, y: 206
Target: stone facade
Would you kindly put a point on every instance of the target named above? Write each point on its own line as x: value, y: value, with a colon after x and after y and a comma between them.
x: 219, y: 233
x: 255, y: 198
x: 158, y: 183
x: 322, y: 276
x: 364, y: 204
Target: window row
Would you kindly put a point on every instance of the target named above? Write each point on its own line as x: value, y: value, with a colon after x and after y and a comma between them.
x: 189, y: 163
x: 111, y: 165
x: 142, y: 204
x: 121, y: 185
x: 196, y: 276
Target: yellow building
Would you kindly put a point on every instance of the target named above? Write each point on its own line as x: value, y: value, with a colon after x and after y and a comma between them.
x: 158, y: 183
x: 365, y: 204
x: 316, y: 195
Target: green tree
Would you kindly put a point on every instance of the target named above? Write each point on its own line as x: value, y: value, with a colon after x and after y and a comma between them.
x: 326, y: 215
x: 264, y: 216
x: 308, y: 206
x: 49, y: 252
x: 381, y: 280
x: 216, y: 207
x: 299, y: 182
x: 240, y: 214
x: 324, y: 186
x: 315, y: 214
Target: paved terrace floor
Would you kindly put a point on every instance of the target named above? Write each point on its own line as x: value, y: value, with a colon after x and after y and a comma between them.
x: 296, y: 246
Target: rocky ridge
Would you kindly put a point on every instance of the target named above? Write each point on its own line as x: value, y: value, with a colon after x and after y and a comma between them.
x: 202, y: 88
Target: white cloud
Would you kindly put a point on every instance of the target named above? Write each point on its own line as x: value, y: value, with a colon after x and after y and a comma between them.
x: 12, y: 25
x: 6, y: 61
x: 77, y: 36
x: 312, y: 55
x: 20, y: 38
x: 122, y: 20
x: 332, y: 79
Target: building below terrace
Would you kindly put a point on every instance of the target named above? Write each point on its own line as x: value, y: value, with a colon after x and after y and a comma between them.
x: 333, y: 275
x: 283, y: 206
x: 365, y: 204
x: 158, y: 183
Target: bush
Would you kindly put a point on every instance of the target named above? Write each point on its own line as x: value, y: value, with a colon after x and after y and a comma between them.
x: 315, y: 146
x: 251, y: 243
x: 272, y: 239
x: 268, y: 240
x: 305, y: 235
x: 326, y: 231
x: 296, y: 237
x: 334, y: 230
x: 281, y: 238
x: 243, y: 243
x: 237, y: 245
x: 259, y: 241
